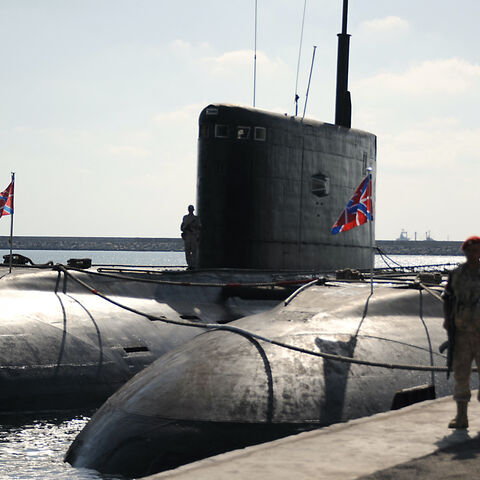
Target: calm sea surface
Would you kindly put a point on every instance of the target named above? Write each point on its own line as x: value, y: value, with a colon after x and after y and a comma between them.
x: 33, y: 447
x: 100, y: 257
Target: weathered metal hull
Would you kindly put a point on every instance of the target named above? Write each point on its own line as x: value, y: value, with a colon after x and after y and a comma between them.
x: 224, y: 390
x: 64, y: 347
x: 270, y: 187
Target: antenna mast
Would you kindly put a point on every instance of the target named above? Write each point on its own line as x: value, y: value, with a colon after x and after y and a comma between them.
x: 297, y: 97
x: 343, y: 106
x: 309, y: 80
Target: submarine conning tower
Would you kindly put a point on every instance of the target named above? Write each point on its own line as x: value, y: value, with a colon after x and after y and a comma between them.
x: 270, y: 187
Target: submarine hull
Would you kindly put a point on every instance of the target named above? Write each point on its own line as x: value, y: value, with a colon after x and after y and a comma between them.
x: 64, y: 347
x: 226, y: 389
x: 144, y: 446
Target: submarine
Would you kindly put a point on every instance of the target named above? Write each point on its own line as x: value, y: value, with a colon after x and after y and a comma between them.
x: 332, y: 352
x: 335, y: 350
x: 269, y: 187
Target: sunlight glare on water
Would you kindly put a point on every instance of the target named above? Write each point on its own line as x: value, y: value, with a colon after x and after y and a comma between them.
x: 34, y: 448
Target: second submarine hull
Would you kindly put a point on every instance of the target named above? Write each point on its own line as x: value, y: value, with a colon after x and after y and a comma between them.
x: 226, y: 390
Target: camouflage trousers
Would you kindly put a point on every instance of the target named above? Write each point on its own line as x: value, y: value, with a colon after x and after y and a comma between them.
x: 467, y: 349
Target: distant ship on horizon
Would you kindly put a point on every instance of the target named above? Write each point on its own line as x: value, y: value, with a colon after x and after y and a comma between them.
x: 405, y: 238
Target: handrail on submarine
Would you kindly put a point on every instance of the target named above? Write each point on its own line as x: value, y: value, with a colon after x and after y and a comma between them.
x: 312, y: 276
x: 229, y: 328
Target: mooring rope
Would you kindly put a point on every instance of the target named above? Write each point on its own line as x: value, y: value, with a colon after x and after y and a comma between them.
x: 230, y: 328
x: 384, y: 256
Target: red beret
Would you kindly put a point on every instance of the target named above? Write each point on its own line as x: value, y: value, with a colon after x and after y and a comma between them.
x: 470, y: 241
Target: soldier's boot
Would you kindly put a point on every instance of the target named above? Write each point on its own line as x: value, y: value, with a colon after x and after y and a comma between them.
x: 461, y: 420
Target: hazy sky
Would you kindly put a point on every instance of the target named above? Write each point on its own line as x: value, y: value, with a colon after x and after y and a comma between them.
x: 100, y: 102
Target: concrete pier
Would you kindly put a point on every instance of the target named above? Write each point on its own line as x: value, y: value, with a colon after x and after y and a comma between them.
x: 390, y: 247
x: 410, y: 443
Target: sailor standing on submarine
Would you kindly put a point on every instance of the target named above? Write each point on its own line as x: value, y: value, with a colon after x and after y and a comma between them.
x: 462, y: 322
x: 190, y: 228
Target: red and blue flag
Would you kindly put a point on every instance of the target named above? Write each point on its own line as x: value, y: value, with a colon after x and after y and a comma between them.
x: 6, y: 201
x: 359, y: 209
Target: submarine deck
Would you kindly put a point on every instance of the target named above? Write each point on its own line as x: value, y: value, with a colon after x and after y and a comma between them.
x: 413, y: 442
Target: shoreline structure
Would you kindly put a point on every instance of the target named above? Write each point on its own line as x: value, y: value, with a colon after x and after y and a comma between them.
x: 391, y: 247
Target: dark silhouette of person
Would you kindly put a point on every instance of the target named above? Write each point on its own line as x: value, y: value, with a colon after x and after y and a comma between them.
x: 190, y: 228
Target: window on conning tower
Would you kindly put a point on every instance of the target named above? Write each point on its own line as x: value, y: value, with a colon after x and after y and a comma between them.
x: 203, y: 130
x: 221, y: 131
x: 243, y: 133
x: 260, y: 134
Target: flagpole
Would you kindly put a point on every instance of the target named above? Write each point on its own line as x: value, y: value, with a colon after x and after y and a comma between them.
x: 11, y: 227
x: 358, y: 211
x: 372, y: 256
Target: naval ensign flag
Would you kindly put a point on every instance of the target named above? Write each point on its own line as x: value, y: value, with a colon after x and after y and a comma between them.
x: 359, y: 209
x: 6, y: 200
x: 6, y: 208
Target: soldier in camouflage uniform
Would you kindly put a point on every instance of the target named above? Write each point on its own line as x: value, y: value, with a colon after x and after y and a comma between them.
x: 462, y: 321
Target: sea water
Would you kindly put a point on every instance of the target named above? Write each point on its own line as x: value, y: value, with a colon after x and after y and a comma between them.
x: 33, y: 447
x: 172, y: 259
x: 101, y: 257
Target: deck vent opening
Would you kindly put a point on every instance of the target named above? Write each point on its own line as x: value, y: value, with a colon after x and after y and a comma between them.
x: 189, y: 317
x: 139, y: 348
x: 320, y: 185
x: 409, y: 396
